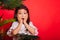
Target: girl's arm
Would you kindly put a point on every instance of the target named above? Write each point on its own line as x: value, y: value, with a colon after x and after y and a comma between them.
x: 30, y: 29
x: 16, y: 30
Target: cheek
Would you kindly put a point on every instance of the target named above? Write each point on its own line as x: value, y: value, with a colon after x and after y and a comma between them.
x: 19, y: 16
x: 26, y: 16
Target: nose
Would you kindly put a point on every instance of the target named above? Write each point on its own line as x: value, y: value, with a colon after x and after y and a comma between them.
x: 23, y: 15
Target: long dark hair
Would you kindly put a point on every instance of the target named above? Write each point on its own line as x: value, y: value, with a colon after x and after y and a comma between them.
x: 21, y: 7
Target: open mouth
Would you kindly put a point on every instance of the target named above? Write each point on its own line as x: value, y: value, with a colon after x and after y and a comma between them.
x: 22, y: 18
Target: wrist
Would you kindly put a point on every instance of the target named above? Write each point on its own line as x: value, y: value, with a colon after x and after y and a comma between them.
x: 25, y: 23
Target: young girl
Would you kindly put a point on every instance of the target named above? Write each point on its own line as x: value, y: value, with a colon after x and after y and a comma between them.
x: 22, y: 25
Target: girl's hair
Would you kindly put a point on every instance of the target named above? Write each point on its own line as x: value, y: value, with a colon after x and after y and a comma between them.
x: 21, y: 7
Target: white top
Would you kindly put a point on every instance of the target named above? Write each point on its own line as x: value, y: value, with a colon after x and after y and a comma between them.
x: 23, y: 29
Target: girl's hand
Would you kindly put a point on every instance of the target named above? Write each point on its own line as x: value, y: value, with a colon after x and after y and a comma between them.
x: 20, y: 20
x: 25, y: 21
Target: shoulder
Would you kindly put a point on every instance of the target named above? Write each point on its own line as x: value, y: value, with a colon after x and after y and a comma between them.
x: 30, y: 23
x: 15, y: 22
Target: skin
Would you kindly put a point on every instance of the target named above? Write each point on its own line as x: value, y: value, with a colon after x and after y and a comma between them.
x: 22, y: 16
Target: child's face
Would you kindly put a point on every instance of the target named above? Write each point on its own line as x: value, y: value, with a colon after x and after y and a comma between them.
x: 22, y: 14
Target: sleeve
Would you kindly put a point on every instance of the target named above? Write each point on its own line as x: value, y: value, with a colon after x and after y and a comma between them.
x: 14, y: 25
x: 36, y: 30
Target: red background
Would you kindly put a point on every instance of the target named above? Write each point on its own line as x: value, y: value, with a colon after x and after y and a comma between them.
x: 45, y: 14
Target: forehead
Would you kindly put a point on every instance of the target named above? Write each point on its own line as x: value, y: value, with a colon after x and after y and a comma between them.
x: 22, y: 10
